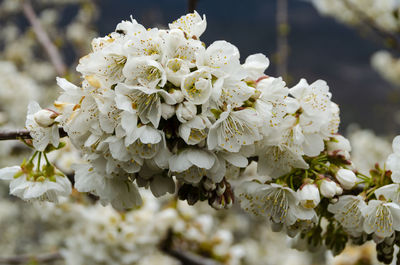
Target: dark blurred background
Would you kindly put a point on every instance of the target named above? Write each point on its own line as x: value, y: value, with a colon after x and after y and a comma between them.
x: 319, y: 48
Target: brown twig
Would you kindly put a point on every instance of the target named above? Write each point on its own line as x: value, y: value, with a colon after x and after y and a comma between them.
x: 282, y: 38
x: 185, y: 257
x: 192, y: 5
x: 22, y: 134
x: 42, y: 258
x: 44, y: 39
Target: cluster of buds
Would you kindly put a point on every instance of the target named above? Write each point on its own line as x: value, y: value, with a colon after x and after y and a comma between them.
x: 219, y: 195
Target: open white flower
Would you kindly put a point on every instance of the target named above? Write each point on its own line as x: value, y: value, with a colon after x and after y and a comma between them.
x: 223, y: 59
x: 28, y: 186
x: 145, y: 43
x: 191, y: 164
x: 348, y: 212
x: 255, y: 65
x: 117, y: 190
x: 381, y: 218
x: 141, y: 101
x: 390, y: 192
x: 144, y: 71
x: 42, y: 126
x: 281, y: 151
x: 234, y: 129
x: 277, y: 203
x: 176, y: 69
x: 277, y: 160
x: 271, y: 103
x: 180, y: 51
x: 151, y: 175
x: 106, y: 64
x: 314, y: 99
x: 231, y: 92
x: 195, y: 130
x: 196, y: 86
x: 191, y: 24
x: 147, y: 142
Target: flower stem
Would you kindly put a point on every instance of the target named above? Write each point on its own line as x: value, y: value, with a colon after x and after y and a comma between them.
x: 39, y: 160
x: 47, y: 160
x: 33, y: 156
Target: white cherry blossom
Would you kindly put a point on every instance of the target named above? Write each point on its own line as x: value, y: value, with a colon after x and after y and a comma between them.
x: 192, y: 24
x: 42, y: 126
x: 348, y: 211
x: 26, y: 186
x: 234, y: 129
x: 191, y: 164
x: 277, y: 203
x: 381, y: 218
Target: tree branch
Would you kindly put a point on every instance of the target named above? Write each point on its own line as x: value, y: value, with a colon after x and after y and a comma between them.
x: 42, y: 258
x: 44, y: 39
x: 185, y: 257
x: 23, y: 134
x: 282, y: 38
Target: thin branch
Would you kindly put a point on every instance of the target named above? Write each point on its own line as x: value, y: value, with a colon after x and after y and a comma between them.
x: 44, y: 39
x: 185, y: 257
x: 192, y: 5
x: 188, y: 258
x: 282, y: 37
x: 23, y: 134
x: 23, y: 259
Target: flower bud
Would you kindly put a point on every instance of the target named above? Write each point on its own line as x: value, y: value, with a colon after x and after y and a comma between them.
x: 346, y: 178
x: 328, y: 188
x: 309, y: 196
x: 167, y: 111
x: 186, y: 111
x: 208, y: 184
x: 340, y: 145
x: 339, y: 190
x: 45, y: 118
x: 177, y: 95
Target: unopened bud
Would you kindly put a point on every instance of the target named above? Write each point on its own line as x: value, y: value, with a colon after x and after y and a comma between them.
x: 208, y: 184
x: 167, y: 111
x: 177, y: 95
x: 45, y: 118
x: 328, y: 188
x: 340, y: 146
x: 220, y: 189
x: 346, y: 178
x: 309, y: 196
x: 186, y: 111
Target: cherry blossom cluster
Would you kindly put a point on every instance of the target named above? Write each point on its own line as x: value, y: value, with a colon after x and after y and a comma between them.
x: 159, y: 109
x: 157, y: 106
